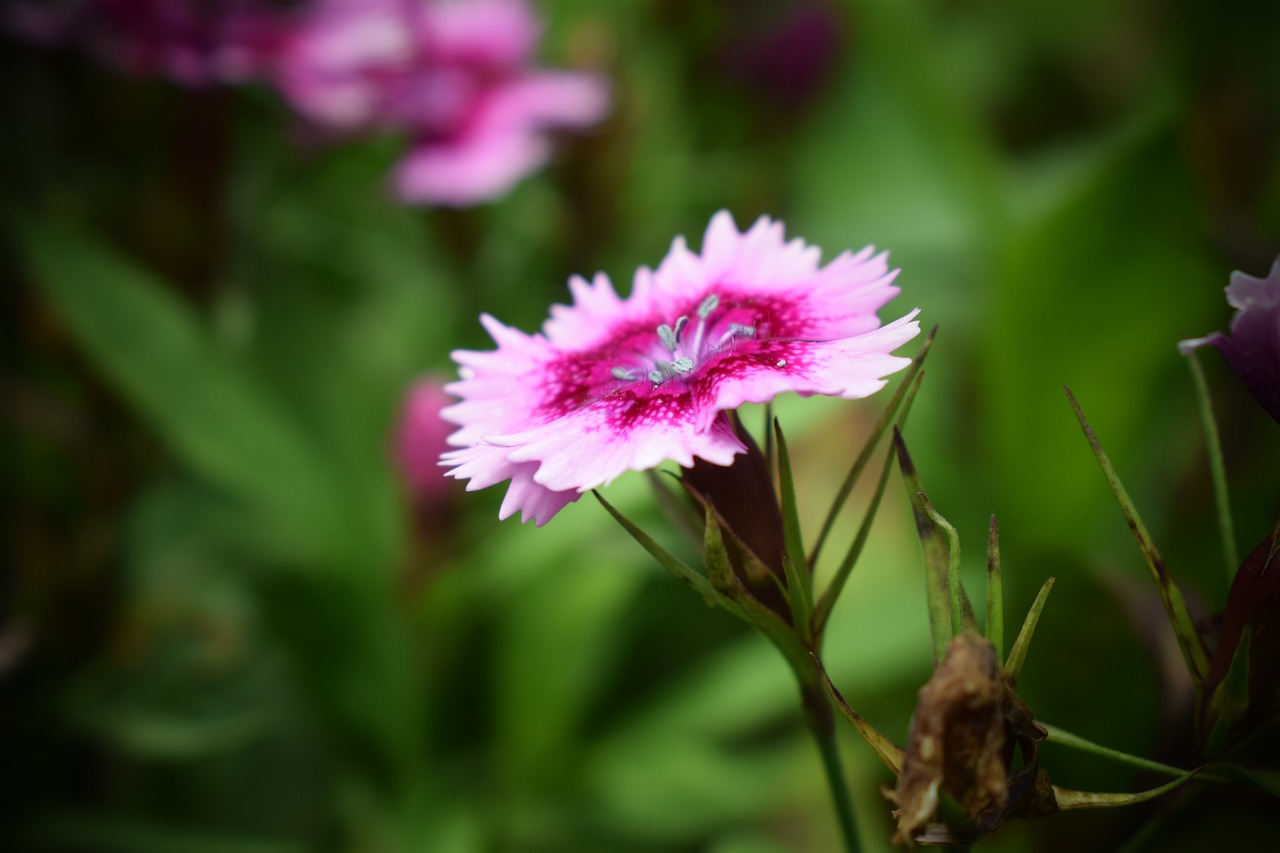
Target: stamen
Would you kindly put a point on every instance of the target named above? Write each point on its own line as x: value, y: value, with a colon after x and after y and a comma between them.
x: 668, y: 336
x: 711, y: 303
x: 735, y: 330
x: 680, y: 324
x: 623, y: 374
x: 655, y: 377
x: 683, y: 364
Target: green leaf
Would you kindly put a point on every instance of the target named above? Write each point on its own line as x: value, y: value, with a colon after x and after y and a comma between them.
x: 1068, y: 799
x: 207, y: 408
x: 995, y: 591
x: 791, y: 523
x: 888, y: 752
x: 1266, y: 780
x: 1230, y: 699
x: 747, y: 607
x: 950, y: 612
x: 799, y: 599
x: 1193, y: 650
x: 1018, y: 654
x: 827, y: 601
x: 664, y: 557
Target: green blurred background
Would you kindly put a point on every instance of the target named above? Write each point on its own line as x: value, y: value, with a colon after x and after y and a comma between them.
x: 222, y: 628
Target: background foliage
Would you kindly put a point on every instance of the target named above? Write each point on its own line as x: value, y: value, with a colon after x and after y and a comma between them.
x: 221, y: 628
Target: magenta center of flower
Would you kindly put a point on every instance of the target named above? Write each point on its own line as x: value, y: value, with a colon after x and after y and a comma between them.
x: 678, y: 350
x: 650, y: 367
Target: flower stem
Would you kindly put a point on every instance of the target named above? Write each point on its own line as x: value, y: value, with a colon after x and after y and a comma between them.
x: 818, y: 715
x: 1214, y: 446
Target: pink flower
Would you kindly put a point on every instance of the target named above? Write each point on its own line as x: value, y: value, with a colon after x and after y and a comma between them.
x: 193, y: 42
x: 454, y: 74
x: 1253, y: 349
x: 421, y: 435
x: 613, y: 384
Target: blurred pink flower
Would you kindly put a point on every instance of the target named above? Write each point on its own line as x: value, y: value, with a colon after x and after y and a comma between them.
x: 193, y: 42
x: 785, y: 53
x: 421, y: 435
x: 454, y: 74
x: 1253, y: 349
x: 612, y: 384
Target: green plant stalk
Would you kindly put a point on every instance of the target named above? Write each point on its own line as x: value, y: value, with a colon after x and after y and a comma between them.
x: 821, y: 722
x: 1221, y: 497
x: 1064, y: 738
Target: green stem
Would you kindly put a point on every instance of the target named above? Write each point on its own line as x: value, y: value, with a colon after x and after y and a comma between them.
x: 818, y: 714
x: 1065, y: 738
x: 1214, y: 446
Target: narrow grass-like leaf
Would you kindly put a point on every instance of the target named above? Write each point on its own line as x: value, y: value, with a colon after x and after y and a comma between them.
x: 1067, y: 739
x: 668, y: 560
x: 1213, y: 447
x: 995, y: 591
x: 1018, y: 654
x: 827, y: 601
x: 889, y: 752
x: 1193, y: 650
x: 1230, y: 699
x: 749, y: 608
x: 791, y: 516
x: 1068, y: 799
x: 1266, y: 780
x: 907, y: 385
x: 950, y: 612
x: 956, y: 597
x: 798, y: 596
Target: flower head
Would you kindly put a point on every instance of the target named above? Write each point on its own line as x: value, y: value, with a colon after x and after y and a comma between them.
x: 456, y: 76
x: 613, y: 384
x: 1253, y: 349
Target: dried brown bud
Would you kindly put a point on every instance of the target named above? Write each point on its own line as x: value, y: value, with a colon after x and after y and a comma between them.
x: 962, y: 738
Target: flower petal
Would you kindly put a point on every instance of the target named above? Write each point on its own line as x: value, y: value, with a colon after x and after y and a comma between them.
x: 1253, y: 349
x: 596, y: 444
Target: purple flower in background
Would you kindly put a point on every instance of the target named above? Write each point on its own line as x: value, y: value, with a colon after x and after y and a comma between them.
x: 1253, y: 348
x: 789, y: 55
x: 193, y: 42
x: 613, y: 384
x: 454, y: 74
